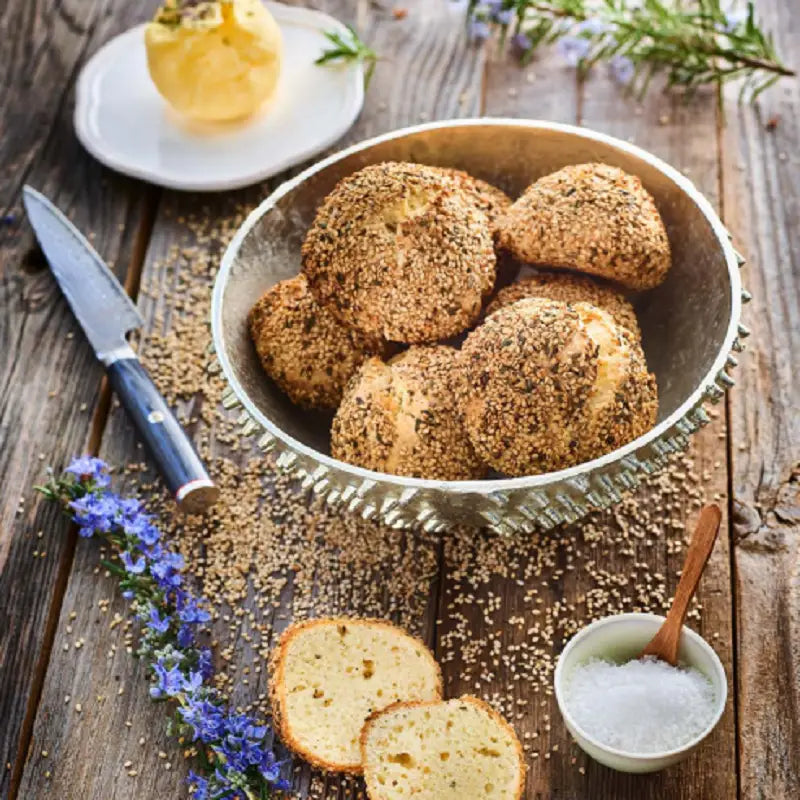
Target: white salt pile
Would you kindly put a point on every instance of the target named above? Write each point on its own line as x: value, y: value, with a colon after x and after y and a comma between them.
x: 642, y: 706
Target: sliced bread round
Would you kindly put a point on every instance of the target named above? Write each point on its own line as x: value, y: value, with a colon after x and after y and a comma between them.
x: 449, y: 750
x: 328, y: 675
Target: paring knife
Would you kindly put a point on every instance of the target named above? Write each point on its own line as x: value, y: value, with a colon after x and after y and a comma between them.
x: 106, y: 314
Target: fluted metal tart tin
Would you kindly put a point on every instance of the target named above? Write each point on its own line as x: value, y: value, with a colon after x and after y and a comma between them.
x: 690, y: 327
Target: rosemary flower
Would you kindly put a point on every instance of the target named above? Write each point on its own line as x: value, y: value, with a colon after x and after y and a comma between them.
x: 238, y: 755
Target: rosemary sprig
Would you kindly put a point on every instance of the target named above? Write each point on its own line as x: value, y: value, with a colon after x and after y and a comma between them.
x: 349, y: 47
x: 236, y: 752
x: 692, y: 44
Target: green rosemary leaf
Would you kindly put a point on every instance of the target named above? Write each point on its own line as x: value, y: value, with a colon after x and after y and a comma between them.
x: 691, y: 42
x: 350, y: 48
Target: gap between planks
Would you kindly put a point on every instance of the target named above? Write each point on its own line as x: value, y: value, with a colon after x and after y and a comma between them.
x: 133, y: 277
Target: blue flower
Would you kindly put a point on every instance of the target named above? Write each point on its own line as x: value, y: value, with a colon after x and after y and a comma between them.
x: 193, y: 682
x: 479, y: 31
x: 205, y: 718
x: 573, y: 49
x: 270, y: 769
x: 163, y: 570
x: 622, y: 69
x: 90, y: 468
x: 521, y: 41
x: 95, y: 513
x: 185, y: 636
x: 205, y: 663
x: 169, y: 681
x: 188, y: 609
x: 591, y: 27
x: 199, y: 785
x: 156, y: 622
x: 140, y: 527
x: 134, y: 567
x: 130, y: 508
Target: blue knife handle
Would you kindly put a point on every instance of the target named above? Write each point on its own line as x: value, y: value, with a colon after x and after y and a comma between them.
x: 176, y: 459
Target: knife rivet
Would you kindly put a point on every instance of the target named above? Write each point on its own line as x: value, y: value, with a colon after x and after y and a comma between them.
x: 154, y: 417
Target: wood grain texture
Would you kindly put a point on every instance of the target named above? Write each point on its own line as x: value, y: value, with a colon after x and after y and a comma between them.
x: 683, y: 133
x: 761, y: 181
x: 680, y: 133
x: 49, y: 382
x: 428, y: 67
x: 429, y: 72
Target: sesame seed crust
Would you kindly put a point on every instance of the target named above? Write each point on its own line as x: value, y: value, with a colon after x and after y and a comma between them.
x: 529, y: 369
x: 303, y: 347
x: 403, y: 418
x: 593, y: 218
x: 398, y: 252
x: 549, y: 385
x: 569, y: 287
x: 492, y: 201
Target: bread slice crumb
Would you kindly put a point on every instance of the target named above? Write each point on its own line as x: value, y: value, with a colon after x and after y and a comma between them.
x: 451, y: 750
x: 328, y: 675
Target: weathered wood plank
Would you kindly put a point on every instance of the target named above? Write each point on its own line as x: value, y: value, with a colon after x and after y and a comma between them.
x: 683, y: 133
x: 49, y: 383
x: 519, y: 602
x: 761, y: 177
x: 428, y: 67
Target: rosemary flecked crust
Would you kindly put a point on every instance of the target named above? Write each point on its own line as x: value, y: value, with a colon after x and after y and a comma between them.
x: 395, y: 251
x: 548, y: 385
x: 403, y: 418
x: 569, y: 287
x: 468, y: 751
x: 303, y: 347
x: 328, y: 675
x: 593, y: 218
x: 492, y: 201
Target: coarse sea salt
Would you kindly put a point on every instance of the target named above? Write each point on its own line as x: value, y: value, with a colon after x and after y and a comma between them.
x: 641, y: 706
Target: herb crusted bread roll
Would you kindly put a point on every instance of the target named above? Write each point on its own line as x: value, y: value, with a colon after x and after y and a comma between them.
x: 549, y: 385
x: 303, y: 347
x: 569, y: 287
x: 593, y: 218
x: 454, y: 750
x: 399, y: 251
x: 328, y: 675
x: 403, y: 418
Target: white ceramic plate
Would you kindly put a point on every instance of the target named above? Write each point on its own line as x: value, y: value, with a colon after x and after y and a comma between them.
x: 123, y: 122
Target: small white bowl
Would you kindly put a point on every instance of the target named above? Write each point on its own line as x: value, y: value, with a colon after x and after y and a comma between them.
x: 620, y: 638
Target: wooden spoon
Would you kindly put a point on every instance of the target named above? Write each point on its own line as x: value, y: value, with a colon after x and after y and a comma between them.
x: 665, y: 643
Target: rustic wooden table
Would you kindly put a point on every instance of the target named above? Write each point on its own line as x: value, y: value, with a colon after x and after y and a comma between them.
x: 53, y: 403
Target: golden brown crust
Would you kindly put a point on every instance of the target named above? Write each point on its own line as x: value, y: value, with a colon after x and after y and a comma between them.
x: 549, y: 385
x: 277, y: 683
x: 475, y: 701
x: 529, y: 370
x: 303, y: 347
x: 592, y: 218
x: 403, y: 418
x: 569, y: 287
x: 397, y: 252
x: 492, y: 201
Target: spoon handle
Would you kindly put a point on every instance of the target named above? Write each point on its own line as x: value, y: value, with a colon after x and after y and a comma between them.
x: 665, y: 643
